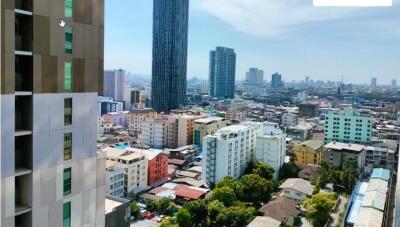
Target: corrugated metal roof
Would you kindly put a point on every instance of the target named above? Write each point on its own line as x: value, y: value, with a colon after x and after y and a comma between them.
x: 369, y: 217
x: 383, y: 174
x: 378, y: 185
x: 375, y: 200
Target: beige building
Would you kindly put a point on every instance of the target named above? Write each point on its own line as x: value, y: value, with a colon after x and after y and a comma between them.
x: 134, y: 164
x: 51, y: 76
x: 181, y: 128
x: 206, y: 126
x: 137, y: 116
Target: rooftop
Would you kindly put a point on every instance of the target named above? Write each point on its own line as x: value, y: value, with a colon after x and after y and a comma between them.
x: 345, y: 146
x: 280, y: 208
x: 383, y: 174
x: 261, y: 221
x: 298, y: 184
x: 208, y: 120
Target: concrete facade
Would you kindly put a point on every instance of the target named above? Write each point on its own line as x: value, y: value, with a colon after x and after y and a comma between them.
x: 50, y: 79
x: 227, y: 152
x: 348, y: 126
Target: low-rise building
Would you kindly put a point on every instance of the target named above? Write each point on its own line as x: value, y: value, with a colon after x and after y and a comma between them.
x: 336, y: 154
x: 114, y: 180
x: 308, y: 109
x: 186, y: 153
x: 281, y: 209
x: 134, y: 165
x: 117, y: 212
x: 288, y: 119
x: 261, y: 221
x: 379, y: 157
x: 117, y: 118
x: 309, y: 152
x: 296, y: 188
x: 157, y: 165
x: 367, y: 205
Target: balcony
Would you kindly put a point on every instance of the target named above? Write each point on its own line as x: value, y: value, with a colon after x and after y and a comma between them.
x: 23, y: 34
x: 23, y: 155
x: 23, y: 115
x: 23, y: 220
x: 23, y: 75
x: 23, y: 5
x: 23, y: 194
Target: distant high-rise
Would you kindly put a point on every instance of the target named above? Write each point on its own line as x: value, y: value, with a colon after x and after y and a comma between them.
x: 170, y: 39
x: 222, y: 72
x: 394, y: 84
x: 255, y: 75
x: 276, y: 81
x: 114, y: 84
x: 373, y: 82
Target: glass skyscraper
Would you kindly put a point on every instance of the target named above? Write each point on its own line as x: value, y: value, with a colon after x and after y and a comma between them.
x: 222, y: 73
x: 170, y: 35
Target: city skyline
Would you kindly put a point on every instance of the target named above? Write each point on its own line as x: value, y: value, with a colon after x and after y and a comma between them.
x: 354, y: 42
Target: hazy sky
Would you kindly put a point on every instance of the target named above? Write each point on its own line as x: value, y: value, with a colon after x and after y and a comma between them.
x: 287, y: 36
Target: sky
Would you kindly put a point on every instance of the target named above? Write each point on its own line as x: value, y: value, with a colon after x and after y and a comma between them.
x: 286, y: 36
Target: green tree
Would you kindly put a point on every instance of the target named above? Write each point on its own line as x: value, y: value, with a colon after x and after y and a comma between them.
x: 214, y: 208
x: 231, y: 183
x: 288, y: 170
x: 151, y: 205
x: 166, y: 206
x: 235, y: 216
x: 261, y: 169
x: 255, y: 188
x: 225, y: 195
x: 135, y: 209
x: 198, y: 211
x: 183, y: 218
x: 319, y: 207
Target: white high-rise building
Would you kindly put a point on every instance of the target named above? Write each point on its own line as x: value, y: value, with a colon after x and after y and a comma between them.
x: 227, y: 152
x: 271, y: 146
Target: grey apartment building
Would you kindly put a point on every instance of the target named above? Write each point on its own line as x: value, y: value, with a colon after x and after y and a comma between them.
x: 114, y: 84
x: 170, y: 40
x: 222, y: 73
x: 51, y: 74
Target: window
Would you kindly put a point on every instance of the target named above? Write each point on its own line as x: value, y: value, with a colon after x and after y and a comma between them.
x: 67, y: 146
x: 67, y: 181
x: 68, y: 8
x: 67, y: 76
x: 67, y: 214
x: 68, y: 40
x: 68, y: 111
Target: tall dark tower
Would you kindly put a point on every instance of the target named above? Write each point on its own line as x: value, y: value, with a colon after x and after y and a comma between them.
x: 170, y: 38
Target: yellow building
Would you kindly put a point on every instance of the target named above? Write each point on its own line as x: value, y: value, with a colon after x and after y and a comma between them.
x: 309, y: 152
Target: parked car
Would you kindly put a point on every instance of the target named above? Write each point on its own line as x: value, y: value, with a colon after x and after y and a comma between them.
x: 149, y: 215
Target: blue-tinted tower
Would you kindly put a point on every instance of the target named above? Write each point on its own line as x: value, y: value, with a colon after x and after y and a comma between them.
x: 170, y: 40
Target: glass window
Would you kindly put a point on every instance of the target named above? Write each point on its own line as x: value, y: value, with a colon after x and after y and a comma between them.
x: 67, y: 181
x: 67, y: 76
x: 67, y: 215
x: 68, y: 8
x: 67, y: 146
x: 68, y: 40
x: 68, y: 111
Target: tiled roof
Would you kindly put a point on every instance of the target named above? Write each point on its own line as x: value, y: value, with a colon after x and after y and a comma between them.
x: 298, y: 184
x: 280, y: 208
x: 189, y: 193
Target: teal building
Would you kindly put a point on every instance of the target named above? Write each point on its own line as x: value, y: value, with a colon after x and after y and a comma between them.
x: 348, y: 126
